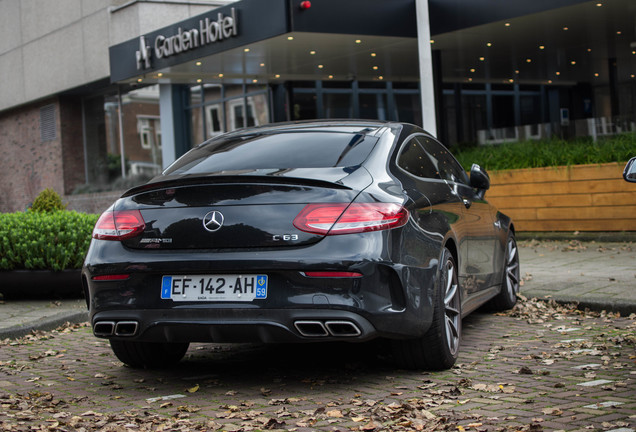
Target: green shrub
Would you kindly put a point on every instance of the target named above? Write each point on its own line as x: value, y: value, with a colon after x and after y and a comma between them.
x: 554, y: 152
x: 47, y: 201
x: 44, y: 241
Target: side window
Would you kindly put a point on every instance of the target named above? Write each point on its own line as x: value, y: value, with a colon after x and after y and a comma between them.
x: 448, y: 167
x: 414, y: 160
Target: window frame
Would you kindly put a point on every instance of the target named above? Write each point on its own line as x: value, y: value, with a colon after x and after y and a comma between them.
x: 218, y: 107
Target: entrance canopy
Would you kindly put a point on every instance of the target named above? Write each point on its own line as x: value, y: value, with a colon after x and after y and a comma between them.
x: 541, y: 42
x: 300, y: 56
x: 256, y: 41
x: 583, y: 41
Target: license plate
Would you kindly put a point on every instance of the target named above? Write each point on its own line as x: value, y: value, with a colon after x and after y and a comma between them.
x: 230, y: 288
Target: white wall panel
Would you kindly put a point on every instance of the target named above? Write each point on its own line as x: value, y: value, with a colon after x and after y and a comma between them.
x: 10, y: 25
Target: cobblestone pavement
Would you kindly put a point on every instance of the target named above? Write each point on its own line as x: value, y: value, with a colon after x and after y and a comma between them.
x: 548, y: 368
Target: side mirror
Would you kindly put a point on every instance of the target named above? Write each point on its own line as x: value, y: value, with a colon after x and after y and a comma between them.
x: 630, y: 171
x: 479, y: 178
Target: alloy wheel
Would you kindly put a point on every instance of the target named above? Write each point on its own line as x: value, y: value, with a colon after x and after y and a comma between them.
x: 512, y: 268
x: 452, y: 308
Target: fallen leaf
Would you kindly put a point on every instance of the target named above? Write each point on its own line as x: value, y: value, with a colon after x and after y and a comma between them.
x: 187, y: 408
x: 372, y: 425
x: 524, y: 370
x: 193, y: 389
x: 551, y: 411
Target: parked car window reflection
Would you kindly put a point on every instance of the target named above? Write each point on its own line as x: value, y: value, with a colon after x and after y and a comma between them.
x: 281, y: 151
x: 448, y: 167
x: 414, y: 160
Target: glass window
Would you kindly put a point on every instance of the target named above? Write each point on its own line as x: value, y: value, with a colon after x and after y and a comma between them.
x: 214, y: 119
x: 130, y: 137
x: 373, y: 106
x: 408, y: 108
x: 446, y: 165
x: 530, y: 107
x: 413, y: 159
x: 338, y: 105
x: 424, y: 157
x: 304, y: 106
x: 143, y: 124
x: 196, y: 125
x: 503, y: 109
x: 276, y: 151
x: 237, y: 113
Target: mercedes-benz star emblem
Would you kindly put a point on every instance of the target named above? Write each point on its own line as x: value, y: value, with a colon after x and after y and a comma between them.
x: 213, y: 220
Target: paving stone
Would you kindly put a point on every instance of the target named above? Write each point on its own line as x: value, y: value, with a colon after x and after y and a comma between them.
x: 594, y: 383
x: 606, y: 404
x: 559, y: 351
x: 317, y: 379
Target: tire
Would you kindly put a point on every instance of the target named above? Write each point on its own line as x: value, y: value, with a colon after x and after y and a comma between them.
x: 439, y: 347
x: 148, y: 354
x: 507, y: 297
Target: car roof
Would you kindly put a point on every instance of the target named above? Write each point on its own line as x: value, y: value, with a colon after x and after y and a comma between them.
x: 366, y: 127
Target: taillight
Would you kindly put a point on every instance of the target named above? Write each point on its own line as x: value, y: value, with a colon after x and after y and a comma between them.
x: 332, y: 219
x: 119, y: 225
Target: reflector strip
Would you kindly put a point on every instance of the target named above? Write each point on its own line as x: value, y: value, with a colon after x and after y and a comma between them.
x: 332, y: 274
x: 110, y: 277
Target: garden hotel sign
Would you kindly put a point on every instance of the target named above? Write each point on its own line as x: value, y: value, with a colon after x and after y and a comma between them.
x: 208, y: 32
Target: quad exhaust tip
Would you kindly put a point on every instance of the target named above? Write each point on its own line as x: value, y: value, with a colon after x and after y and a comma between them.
x: 343, y: 328
x: 311, y: 328
x: 115, y: 328
x: 104, y: 328
x: 126, y: 328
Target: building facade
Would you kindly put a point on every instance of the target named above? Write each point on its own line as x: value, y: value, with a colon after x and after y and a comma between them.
x: 100, y: 95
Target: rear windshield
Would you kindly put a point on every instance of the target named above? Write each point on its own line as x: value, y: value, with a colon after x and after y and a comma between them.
x: 278, y: 151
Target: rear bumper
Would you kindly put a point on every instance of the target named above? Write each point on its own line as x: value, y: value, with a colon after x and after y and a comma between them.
x: 214, y: 325
x: 390, y: 300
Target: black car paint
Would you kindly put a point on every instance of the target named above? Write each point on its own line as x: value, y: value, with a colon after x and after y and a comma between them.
x: 393, y: 298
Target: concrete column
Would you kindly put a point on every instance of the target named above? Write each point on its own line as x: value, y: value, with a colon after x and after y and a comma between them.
x: 427, y: 87
x: 168, y: 151
x: 175, y: 127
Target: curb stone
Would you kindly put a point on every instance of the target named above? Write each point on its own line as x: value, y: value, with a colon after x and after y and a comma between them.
x: 45, y: 324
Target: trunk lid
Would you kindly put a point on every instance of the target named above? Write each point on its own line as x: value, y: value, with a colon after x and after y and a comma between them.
x: 250, y: 210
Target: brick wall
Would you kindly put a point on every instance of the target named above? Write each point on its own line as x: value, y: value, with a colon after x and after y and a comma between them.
x: 91, y: 203
x: 576, y: 198
x: 28, y: 165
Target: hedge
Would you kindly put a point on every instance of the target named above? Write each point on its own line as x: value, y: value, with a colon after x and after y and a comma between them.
x: 55, y: 240
x: 546, y: 153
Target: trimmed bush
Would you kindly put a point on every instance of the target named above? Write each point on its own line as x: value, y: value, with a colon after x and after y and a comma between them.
x: 47, y: 201
x: 555, y: 152
x: 55, y: 240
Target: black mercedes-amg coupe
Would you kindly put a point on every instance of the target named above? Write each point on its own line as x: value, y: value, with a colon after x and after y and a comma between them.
x: 302, y: 232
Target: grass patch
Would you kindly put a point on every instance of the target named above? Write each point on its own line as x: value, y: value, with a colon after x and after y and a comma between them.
x: 547, y: 153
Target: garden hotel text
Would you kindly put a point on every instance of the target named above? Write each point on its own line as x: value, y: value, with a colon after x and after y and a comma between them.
x: 209, y: 32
